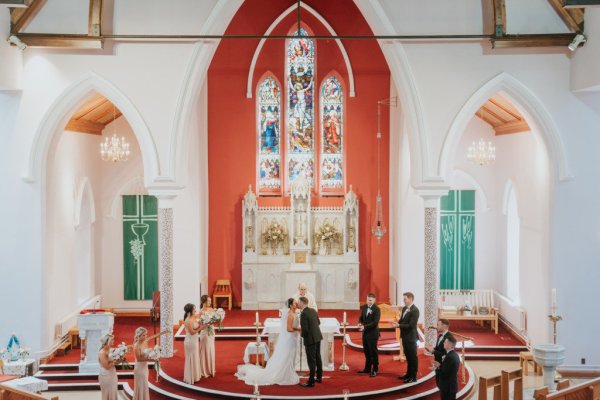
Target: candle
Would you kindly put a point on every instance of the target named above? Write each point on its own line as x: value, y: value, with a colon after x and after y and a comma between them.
x: 257, y: 317
x: 344, y: 317
x: 553, y: 300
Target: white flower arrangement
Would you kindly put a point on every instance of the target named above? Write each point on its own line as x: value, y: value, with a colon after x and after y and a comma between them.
x: 3, y: 354
x: 24, y: 352
x: 117, y: 355
x: 212, y: 318
x: 155, y: 354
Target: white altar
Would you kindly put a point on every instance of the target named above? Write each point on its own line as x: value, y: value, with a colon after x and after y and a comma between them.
x: 91, y: 328
x: 329, y: 327
x: 283, y: 246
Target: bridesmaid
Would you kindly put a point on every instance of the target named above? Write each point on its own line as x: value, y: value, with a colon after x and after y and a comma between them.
x: 140, y: 372
x: 207, y: 342
x: 191, y: 370
x: 108, y: 374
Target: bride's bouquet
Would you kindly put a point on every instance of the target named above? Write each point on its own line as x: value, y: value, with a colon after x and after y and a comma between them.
x: 155, y: 354
x: 212, y: 318
x: 117, y: 355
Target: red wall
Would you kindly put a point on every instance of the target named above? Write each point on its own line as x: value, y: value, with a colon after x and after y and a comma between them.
x: 232, y: 130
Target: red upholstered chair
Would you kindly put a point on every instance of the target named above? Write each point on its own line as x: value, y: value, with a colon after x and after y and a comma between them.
x: 222, y: 289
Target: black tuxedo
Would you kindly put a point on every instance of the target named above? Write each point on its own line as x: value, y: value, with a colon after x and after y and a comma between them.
x: 311, y: 334
x: 448, y: 372
x: 408, y: 331
x: 369, y: 318
x: 439, y: 351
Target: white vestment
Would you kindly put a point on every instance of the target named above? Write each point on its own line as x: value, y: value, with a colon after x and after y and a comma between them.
x: 311, y: 299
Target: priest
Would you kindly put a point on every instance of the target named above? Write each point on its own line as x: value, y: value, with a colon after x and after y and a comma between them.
x: 303, y: 292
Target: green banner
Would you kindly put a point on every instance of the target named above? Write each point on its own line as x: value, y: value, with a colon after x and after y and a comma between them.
x: 140, y: 247
x: 457, y: 240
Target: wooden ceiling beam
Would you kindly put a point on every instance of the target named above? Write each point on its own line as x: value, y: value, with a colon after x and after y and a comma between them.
x: 499, y: 17
x: 95, y: 18
x: 26, y: 16
x: 513, y: 114
x: 573, y: 18
x: 582, y: 3
x: 512, y: 127
x: 487, y: 110
x: 543, y: 40
x: 83, y: 126
x: 62, y: 41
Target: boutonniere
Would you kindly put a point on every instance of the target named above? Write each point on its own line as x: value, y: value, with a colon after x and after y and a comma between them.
x: 443, y: 358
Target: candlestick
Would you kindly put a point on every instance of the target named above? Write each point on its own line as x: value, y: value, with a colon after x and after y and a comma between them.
x: 257, y: 317
x: 344, y: 366
x: 554, y: 319
x: 553, y: 301
x: 344, y: 317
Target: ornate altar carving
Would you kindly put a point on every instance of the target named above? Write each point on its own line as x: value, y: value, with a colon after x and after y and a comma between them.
x: 283, y: 246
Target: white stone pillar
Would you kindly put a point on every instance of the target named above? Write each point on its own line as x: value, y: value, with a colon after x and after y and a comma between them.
x: 431, y: 204
x: 165, y: 269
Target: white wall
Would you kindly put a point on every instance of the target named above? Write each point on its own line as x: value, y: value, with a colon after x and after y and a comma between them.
x: 11, y: 56
x: 68, y: 166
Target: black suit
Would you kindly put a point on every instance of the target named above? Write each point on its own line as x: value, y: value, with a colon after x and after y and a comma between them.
x: 408, y: 331
x: 439, y: 351
x: 448, y: 372
x: 311, y: 333
x: 369, y: 318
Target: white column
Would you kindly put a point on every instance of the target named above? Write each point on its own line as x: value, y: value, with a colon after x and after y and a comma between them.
x: 431, y: 204
x: 165, y: 268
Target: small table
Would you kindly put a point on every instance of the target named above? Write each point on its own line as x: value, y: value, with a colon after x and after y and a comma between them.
x: 19, y: 367
x: 28, y: 384
x: 251, y: 348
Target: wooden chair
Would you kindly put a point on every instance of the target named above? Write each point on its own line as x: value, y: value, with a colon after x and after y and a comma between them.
x: 222, y: 289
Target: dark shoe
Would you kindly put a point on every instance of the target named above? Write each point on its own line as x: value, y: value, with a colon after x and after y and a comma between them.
x: 308, y: 384
x: 410, y: 380
x: 373, y: 374
x: 364, y: 371
x: 319, y: 380
x: 403, y: 376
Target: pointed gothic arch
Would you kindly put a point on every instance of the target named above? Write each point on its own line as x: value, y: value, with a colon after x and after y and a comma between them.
x: 84, y: 193
x: 527, y: 103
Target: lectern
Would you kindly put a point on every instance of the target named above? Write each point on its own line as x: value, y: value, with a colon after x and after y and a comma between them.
x: 91, y: 328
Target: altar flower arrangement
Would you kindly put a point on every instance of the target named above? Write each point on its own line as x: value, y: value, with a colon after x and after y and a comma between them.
x: 212, y: 318
x: 155, y: 354
x: 117, y: 355
x: 274, y: 234
x: 329, y: 235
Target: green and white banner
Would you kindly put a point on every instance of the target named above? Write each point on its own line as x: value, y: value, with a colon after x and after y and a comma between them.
x: 457, y: 240
x: 140, y: 246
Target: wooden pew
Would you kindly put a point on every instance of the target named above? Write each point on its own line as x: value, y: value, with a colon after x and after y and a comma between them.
x: 8, y: 393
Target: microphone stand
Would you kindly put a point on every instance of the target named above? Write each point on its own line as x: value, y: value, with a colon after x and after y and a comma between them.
x: 154, y: 320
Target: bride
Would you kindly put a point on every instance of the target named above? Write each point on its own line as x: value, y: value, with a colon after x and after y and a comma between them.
x: 280, y: 369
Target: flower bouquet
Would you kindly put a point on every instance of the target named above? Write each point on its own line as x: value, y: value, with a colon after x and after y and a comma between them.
x: 274, y: 235
x: 329, y: 235
x: 155, y: 354
x: 117, y: 355
x: 212, y: 318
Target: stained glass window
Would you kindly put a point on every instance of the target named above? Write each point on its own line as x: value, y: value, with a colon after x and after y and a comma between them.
x: 300, y: 108
x: 269, y: 154
x: 332, y: 161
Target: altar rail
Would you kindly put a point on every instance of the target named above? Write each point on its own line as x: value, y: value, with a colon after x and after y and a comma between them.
x: 8, y: 393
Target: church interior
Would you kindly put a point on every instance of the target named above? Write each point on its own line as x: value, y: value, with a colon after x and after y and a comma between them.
x: 233, y: 154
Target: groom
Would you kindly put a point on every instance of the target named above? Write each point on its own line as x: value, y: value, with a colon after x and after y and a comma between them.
x: 311, y: 333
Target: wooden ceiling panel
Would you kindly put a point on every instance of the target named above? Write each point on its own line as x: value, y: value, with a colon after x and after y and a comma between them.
x: 93, y: 116
x: 502, y: 116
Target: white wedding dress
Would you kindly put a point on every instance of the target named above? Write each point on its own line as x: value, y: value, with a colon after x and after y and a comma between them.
x: 280, y: 369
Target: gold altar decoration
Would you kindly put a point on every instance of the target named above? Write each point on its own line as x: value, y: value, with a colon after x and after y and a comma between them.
x: 329, y: 235
x: 275, y: 234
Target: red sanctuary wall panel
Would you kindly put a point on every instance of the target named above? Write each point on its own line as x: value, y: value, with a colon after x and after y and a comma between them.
x: 232, y: 129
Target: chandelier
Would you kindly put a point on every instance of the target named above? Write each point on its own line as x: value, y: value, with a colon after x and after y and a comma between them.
x: 481, y: 153
x: 378, y: 229
x: 114, y: 148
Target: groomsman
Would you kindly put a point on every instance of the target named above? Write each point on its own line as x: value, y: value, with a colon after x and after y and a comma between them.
x: 439, y: 351
x: 368, y: 324
x: 408, y: 331
x: 448, y: 371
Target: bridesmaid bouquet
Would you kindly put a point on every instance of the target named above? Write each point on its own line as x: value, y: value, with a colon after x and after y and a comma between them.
x: 155, y: 354
x: 117, y: 355
x: 212, y: 318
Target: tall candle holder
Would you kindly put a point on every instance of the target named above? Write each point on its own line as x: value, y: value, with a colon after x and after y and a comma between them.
x: 344, y: 366
x: 554, y: 318
x: 257, y: 325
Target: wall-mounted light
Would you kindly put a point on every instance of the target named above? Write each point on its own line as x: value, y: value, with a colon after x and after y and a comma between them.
x: 578, y: 40
x: 17, y: 42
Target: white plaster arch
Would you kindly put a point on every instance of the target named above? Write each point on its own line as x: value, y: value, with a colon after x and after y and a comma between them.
x: 527, y: 103
x: 422, y: 173
x: 460, y: 174
x: 135, y: 184
x: 84, y: 192
x: 59, y: 113
x: 327, y: 26
x: 510, y: 188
